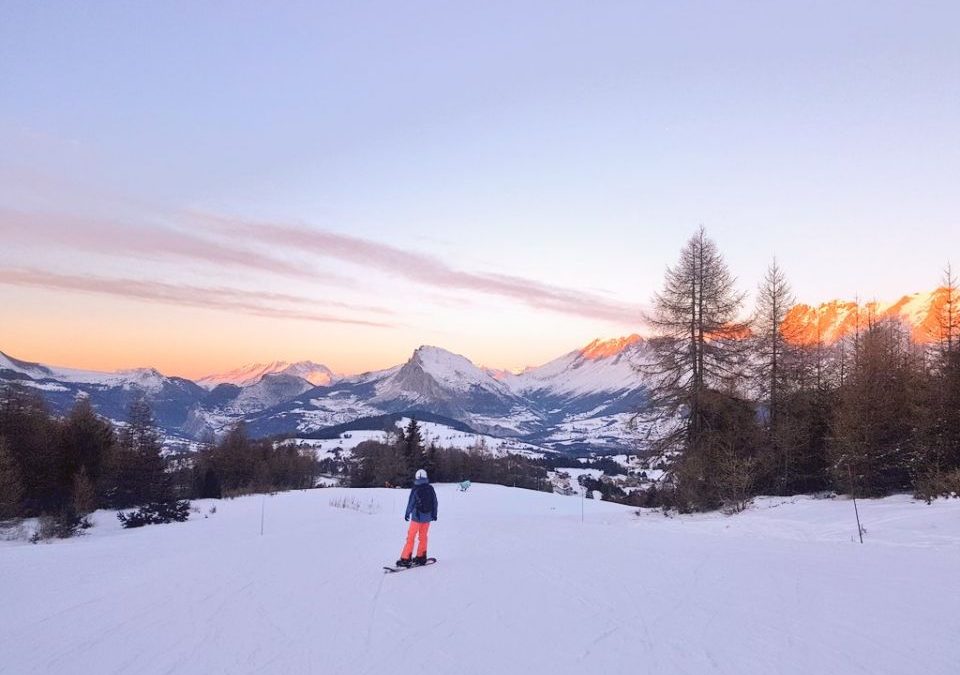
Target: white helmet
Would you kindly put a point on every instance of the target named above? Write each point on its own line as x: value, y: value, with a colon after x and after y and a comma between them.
x: 421, y: 474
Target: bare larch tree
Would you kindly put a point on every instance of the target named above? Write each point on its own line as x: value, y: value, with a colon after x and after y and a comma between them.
x: 696, y: 345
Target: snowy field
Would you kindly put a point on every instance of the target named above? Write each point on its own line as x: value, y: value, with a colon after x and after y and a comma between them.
x: 432, y: 433
x: 522, y: 586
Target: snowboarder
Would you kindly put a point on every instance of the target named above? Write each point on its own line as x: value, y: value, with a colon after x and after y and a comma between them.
x: 421, y: 511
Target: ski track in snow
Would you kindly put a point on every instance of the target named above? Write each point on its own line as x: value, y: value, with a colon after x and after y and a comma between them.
x: 521, y: 586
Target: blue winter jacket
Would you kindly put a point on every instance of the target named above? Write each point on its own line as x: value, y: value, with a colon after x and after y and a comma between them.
x: 412, y: 512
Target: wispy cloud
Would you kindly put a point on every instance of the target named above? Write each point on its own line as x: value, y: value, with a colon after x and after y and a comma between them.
x: 427, y: 269
x: 279, y: 248
x: 257, y: 303
x: 148, y: 241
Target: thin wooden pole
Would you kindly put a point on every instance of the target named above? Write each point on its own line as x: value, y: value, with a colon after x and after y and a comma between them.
x: 855, y: 509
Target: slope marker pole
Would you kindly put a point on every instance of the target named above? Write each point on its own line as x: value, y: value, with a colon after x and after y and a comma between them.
x: 855, y: 509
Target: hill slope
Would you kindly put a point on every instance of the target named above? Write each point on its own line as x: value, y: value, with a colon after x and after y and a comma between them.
x: 522, y: 586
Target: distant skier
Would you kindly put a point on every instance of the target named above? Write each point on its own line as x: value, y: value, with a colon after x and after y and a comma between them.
x: 421, y: 511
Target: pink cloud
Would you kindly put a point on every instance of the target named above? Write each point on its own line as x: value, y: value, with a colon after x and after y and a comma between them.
x: 148, y: 241
x: 256, y: 303
x: 427, y: 269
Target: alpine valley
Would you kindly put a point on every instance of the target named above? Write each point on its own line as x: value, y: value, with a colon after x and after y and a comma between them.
x: 581, y: 401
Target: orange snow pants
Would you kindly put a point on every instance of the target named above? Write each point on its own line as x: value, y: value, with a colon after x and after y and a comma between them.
x: 418, y: 530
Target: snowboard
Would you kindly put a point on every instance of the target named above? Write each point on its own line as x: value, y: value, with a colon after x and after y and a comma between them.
x: 394, y: 570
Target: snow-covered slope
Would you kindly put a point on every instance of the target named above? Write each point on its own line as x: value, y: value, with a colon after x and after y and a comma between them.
x: 316, y: 374
x: 601, y: 366
x: 435, y: 433
x: 521, y: 586
x: 270, y: 390
x: 588, y: 395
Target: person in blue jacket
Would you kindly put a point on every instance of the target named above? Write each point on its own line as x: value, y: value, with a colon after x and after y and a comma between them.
x: 421, y: 511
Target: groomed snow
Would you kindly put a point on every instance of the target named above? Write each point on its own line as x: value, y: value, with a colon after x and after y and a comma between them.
x: 522, y: 586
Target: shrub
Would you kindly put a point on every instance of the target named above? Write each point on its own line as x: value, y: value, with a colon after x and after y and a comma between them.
x: 156, y: 513
x: 933, y: 484
x: 63, y: 525
x: 353, y: 504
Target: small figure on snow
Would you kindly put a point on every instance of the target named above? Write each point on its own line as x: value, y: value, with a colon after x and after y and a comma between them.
x: 464, y: 485
x: 421, y: 511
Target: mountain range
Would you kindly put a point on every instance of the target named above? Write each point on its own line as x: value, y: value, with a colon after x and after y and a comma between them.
x: 830, y: 321
x: 580, y: 400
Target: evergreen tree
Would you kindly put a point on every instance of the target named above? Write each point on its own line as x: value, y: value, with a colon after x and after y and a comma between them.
x: 209, y: 483
x: 85, y: 441
x: 84, y: 494
x: 31, y: 440
x: 135, y: 466
x: 11, y: 485
x: 412, y: 450
x: 234, y: 461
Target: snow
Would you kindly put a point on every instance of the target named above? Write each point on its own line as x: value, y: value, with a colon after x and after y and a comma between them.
x: 45, y: 386
x: 453, y: 370
x: 837, y: 318
x: 522, y: 586
x: 567, y: 479
x: 315, y: 373
x: 148, y: 379
x: 601, y: 366
x: 455, y: 373
x: 432, y: 433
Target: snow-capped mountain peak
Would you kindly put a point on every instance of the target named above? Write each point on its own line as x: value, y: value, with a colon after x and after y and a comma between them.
x: 603, y: 349
x: 147, y: 379
x: 602, y: 365
x: 316, y: 374
x: 452, y: 370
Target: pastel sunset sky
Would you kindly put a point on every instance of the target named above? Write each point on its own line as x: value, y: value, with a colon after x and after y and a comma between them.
x: 194, y: 186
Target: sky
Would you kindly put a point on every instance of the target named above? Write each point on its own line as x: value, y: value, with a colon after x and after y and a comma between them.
x: 194, y: 186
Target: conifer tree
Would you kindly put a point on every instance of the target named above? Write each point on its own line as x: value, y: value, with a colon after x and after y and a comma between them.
x: 947, y: 405
x: 135, y: 464
x: 11, y: 485
x: 695, y: 318
x: 84, y: 494
x: 697, y: 361
x: 938, y: 468
x: 412, y: 445
x: 778, y: 369
x: 30, y: 433
x: 85, y: 441
x: 875, y: 431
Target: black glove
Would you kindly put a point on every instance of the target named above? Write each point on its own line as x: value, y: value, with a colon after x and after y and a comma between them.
x: 406, y: 517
